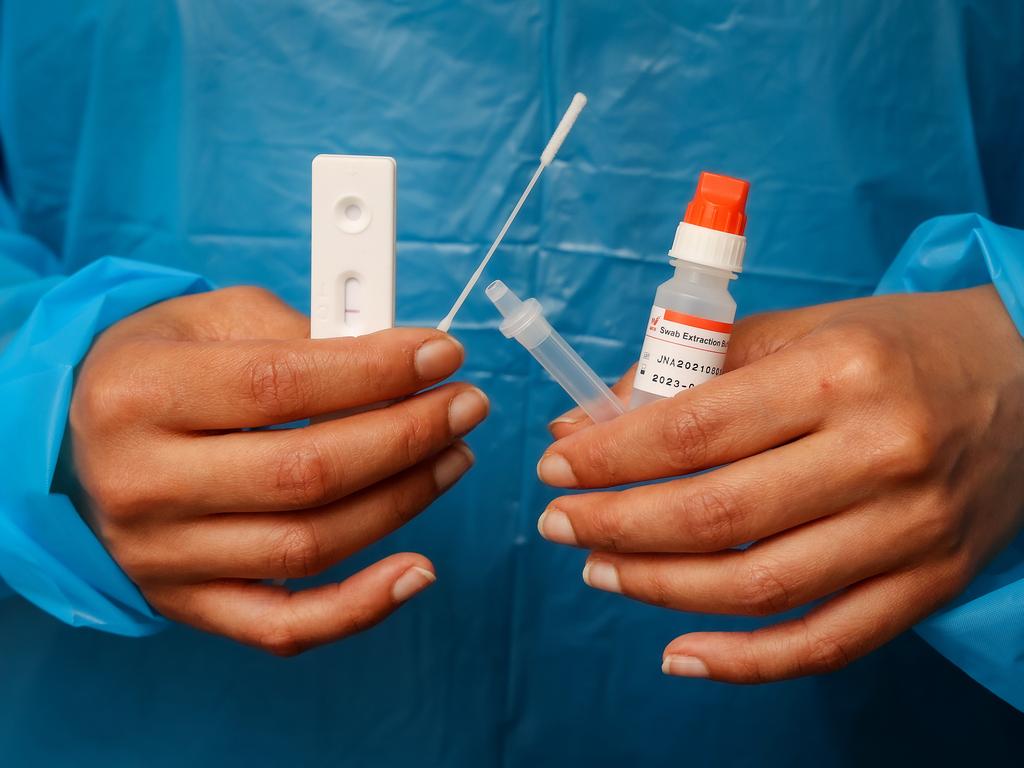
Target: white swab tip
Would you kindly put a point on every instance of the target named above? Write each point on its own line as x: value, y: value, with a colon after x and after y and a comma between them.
x: 579, y: 101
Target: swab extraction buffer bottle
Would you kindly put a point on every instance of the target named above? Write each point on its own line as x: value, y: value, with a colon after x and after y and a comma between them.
x: 688, y: 331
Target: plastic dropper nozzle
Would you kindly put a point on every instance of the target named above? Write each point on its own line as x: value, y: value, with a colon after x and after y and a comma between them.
x: 525, y: 322
x: 506, y: 302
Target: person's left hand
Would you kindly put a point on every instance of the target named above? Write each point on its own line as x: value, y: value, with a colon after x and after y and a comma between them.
x: 873, y: 455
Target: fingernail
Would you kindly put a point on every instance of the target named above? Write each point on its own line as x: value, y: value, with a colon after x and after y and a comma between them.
x: 554, y: 525
x: 437, y: 358
x: 414, y: 580
x: 452, y: 465
x: 684, y: 666
x: 466, y: 410
x: 553, y: 469
x: 569, y: 417
x: 600, y: 574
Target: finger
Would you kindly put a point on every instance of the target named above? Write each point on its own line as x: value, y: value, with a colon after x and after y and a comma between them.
x: 286, y: 623
x: 235, y: 384
x: 576, y: 419
x: 776, y: 575
x: 766, y: 404
x: 828, y: 638
x: 299, y: 545
x: 753, y: 338
x: 315, y: 465
x: 733, y: 505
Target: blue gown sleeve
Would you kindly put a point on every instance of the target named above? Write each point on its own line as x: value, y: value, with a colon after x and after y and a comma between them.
x: 982, y: 632
x: 47, y: 324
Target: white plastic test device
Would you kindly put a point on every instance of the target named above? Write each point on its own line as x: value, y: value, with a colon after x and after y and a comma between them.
x: 352, y: 281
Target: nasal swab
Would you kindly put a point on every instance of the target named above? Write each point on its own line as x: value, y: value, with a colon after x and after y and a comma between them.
x: 579, y: 101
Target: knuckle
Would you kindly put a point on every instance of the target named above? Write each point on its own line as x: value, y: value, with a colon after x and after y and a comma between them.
x: 710, y: 517
x: 400, y: 505
x: 89, y: 402
x: 302, y: 475
x: 374, y: 364
x: 102, y: 401
x: 280, y: 639
x: 827, y: 653
x: 938, y: 525
x: 607, y: 532
x: 356, y: 621
x: 113, y: 496
x: 415, y: 435
x: 658, y: 591
x: 955, y: 577
x: 752, y: 665
x: 594, y: 458
x: 276, y: 385
x: 934, y: 534
x: 298, y: 553
x: 763, y: 591
x: 754, y: 338
x: 141, y: 563
x: 755, y: 673
x: 686, y: 436
x: 859, y: 357
x: 910, y: 450
x: 248, y: 295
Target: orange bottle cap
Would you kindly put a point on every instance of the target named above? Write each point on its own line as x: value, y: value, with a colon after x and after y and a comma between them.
x: 719, y: 203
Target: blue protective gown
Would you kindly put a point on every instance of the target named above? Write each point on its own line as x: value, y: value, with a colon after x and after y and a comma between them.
x: 151, y: 149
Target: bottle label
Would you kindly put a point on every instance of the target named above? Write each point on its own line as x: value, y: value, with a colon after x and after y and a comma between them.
x: 680, y: 351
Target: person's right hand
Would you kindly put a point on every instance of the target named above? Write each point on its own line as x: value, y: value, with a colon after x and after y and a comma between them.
x: 199, y: 513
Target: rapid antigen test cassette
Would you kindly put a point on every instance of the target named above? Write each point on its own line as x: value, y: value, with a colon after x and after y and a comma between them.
x: 352, y: 285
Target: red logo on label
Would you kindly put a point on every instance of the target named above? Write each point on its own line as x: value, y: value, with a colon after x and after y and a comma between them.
x: 654, y: 321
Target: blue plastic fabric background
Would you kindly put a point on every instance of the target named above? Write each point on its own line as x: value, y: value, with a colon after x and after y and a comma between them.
x: 178, y: 137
